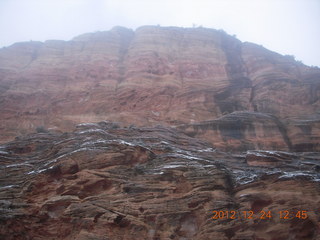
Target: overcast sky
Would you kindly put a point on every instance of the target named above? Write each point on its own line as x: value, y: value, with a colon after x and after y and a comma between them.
x: 285, y: 26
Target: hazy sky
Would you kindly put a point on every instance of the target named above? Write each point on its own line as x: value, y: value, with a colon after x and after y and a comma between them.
x: 285, y: 26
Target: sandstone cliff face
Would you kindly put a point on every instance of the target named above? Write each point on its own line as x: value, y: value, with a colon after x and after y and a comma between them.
x: 106, y: 182
x: 245, y: 139
x: 191, y: 78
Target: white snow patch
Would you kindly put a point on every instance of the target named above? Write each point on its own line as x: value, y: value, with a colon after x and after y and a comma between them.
x: 87, y: 125
x: 8, y: 186
x: 39, y: 171
x: 207, y: 150
x: 93, y: 131
x: 172, y: 166
x: 95, y: 142
x: 124, y: 142
x: 18, y: 164
x: 294, y: 174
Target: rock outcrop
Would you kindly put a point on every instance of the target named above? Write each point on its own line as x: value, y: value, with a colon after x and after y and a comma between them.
x: 193, y: 78
x: 106, y: 182
x: 193, y: 135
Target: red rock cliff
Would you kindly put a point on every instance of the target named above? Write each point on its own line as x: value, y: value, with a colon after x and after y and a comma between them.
x: 106, y: 181
x: 236, y: 95
x: 103, y: 182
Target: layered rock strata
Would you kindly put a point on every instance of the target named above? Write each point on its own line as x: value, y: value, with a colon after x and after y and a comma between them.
x: 195, y: 77
x: 106, y: 182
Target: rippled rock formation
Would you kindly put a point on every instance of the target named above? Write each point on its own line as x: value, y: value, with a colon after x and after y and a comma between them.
x: 195, y: 135
x: 236, y: 95
x: 103, y: 181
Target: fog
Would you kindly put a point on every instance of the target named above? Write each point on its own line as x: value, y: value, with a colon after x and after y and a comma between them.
x: 285, y: 26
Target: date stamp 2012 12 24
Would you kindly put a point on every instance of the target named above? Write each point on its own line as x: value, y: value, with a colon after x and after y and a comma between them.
x: 264, y: 215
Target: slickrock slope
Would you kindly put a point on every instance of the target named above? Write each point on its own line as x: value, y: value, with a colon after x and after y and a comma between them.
x: 235, y: 95
x: 106, y: 182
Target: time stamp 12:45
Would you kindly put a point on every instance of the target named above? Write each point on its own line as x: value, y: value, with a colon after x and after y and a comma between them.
x: 284, y: 214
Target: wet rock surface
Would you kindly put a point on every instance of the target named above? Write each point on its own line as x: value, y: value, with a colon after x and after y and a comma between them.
x: 103, y: 181
x: 241, y: 160
x: 238, y: 96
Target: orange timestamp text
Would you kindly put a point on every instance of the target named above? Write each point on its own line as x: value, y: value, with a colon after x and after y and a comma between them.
x: 264, y: 215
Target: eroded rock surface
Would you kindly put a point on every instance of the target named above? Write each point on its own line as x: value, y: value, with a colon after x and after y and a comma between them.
x: 243, y: 147
x: 107, y: 182
x: 162, y: 75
